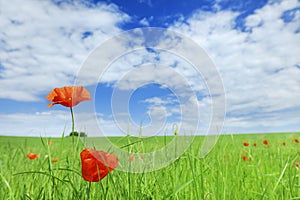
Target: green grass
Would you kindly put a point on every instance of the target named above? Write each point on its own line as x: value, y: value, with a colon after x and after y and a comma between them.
x: 222, y: 174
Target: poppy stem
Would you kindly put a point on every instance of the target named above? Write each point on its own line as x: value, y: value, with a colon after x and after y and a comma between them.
x: 72, y: 114
x: 73, y: 139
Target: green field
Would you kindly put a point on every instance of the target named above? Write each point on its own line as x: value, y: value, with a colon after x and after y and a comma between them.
x: 266, y: 172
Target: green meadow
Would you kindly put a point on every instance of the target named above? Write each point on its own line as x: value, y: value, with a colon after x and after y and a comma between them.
x: 230, y: 171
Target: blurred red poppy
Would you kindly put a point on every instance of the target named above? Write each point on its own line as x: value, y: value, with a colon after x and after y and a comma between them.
x: 283, y: 143
x: 49, y: 143
x: 245, y: 144
x: 68, y: 96
x: 296, y: 140
x: 254, y: 144
x: 245, y: 158
x: 265, y: 142
x: 96, y: 164
x: 32, y: 156
x: 54, y: 159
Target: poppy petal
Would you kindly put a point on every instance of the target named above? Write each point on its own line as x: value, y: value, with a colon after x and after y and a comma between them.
x: 68, y: 96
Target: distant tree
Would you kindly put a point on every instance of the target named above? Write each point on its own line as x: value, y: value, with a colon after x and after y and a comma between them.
x: 76, y: 134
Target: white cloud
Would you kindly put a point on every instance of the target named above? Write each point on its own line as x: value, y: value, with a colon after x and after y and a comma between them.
x: 159, y: 101
x: 258, y: 67
x: 131, y: 70
x: 144, y: 22
x: 45, y: 43
x: 253, y: 21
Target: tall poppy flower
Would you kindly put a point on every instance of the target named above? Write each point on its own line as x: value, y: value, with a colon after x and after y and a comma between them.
x: 296, y: 140
x: 68, y: 96
x: 96, y: 164
x: 32, y: 156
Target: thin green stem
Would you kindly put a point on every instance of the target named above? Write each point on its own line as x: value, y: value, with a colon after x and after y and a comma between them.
x: 72, y: 114
x: 73, y: 140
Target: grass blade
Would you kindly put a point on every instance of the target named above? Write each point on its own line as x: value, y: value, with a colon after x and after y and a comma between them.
x: 280, y: 177
x: 179, y: 189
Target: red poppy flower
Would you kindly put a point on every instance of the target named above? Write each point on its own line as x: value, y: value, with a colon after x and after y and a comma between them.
x: 54, y: 159
x: 245, y: 144
x: 32, y: 156
x: 96, y: 164
x: 254, y: 144
x: 296, y: 140
x: 49, y: 143
x: 265, y: 142
x: 283, y: 143
x: 68, y: 96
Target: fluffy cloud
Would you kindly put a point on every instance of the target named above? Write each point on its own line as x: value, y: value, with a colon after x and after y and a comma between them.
x: 46, y: 43
x: 259, y: 66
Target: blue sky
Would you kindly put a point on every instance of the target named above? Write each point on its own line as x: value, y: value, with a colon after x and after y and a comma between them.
x: 254, y: 46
